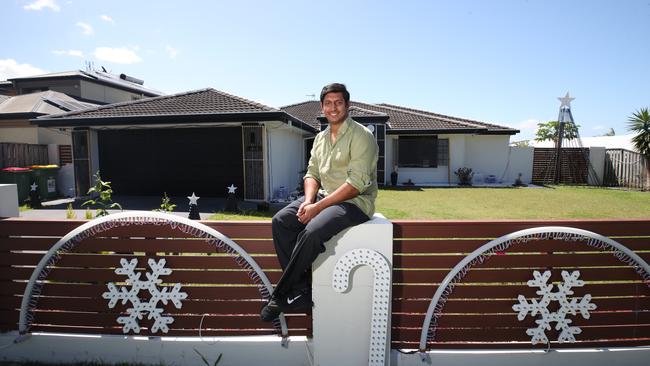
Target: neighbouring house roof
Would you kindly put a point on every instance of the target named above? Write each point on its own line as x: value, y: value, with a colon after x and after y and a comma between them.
x: 198, y: 106
x: 402, y: 120
x: 608, y: 142
x: 32, y: 105
x: 121, y: 81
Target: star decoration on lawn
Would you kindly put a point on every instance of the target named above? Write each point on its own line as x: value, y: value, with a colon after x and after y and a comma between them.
x: 33, y: 187
x: 232, y: 188
x: 566, y: 100
x: 193, y: 198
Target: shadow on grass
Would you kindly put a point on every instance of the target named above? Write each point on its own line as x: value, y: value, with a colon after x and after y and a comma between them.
x: 401, y: 188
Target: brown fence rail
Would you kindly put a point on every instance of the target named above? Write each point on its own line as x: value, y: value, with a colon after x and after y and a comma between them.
x: 222, y: 298
x: 21, y: 155
x: 625, y: 168
x: 479, y: 311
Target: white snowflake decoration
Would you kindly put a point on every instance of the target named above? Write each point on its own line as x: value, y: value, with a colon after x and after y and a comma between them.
x: 139, y: 307
x: 566, y: 307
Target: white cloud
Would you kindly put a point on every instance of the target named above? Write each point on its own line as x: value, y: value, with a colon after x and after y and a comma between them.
x: 106, y: 18
x: 9, y: 68
x: 598, y: 127
x: 117, y: 55
x: 75, y: 53
x: 40, y: 4
x: 87, y: 29
x: 171, y: 51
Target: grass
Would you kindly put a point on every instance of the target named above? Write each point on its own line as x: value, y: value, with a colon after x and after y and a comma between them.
x: 555, y: 202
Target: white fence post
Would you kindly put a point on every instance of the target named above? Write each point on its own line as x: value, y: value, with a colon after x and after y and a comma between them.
x: 9, y: 200
x: 342, y: 321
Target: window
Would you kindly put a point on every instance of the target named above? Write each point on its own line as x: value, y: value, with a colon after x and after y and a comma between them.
x: 443, y: 152
x: 418, y: 151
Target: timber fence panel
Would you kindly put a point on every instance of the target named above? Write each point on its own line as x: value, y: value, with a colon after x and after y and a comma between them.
x: 223, y: 299
x: 478, y: 312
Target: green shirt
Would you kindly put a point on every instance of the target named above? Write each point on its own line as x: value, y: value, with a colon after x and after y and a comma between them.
x: 352, y: 159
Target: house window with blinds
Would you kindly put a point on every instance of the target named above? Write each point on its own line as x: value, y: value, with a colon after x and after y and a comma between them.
x: 417, y: 151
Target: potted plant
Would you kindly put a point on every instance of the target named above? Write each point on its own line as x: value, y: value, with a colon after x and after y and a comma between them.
x: 465, y: 176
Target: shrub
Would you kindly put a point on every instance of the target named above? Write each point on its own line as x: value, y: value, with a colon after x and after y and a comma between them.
x: 465, y: 176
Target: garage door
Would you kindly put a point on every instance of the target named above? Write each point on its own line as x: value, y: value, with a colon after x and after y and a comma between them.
x: 176, y: 161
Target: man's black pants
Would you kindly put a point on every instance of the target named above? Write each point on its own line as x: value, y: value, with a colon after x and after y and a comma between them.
x: 297, y: 245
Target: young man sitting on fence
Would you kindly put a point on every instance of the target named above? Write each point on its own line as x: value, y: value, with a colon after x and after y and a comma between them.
x: 340, y: 191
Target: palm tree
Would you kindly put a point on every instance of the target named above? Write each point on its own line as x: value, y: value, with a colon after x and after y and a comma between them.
x: 639, y: 123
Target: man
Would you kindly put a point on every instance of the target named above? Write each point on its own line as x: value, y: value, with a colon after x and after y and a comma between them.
x: 340, y: 191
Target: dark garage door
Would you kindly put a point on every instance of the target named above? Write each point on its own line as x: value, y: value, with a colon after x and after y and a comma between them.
x: 177, y: 161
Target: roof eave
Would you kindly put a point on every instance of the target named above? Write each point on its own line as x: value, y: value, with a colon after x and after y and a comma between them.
x: 47, y: 121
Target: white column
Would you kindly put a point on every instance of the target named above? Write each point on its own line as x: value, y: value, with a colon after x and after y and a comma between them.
x: 342, y: 320
x: 8, y: 200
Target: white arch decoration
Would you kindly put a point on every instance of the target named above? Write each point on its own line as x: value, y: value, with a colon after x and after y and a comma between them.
x: 502, y: 243
x: 380, y: 295
x: 99, y: 225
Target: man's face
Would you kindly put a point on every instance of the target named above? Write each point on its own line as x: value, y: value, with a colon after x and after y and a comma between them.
x: 334, y: 108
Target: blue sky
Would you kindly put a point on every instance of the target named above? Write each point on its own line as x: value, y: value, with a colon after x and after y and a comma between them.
x: 496, y: 61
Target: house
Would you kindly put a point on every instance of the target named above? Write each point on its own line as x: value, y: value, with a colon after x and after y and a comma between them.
x: 425, y: 148
x: 608, y: 142
x: 201, y: 141
x: 25, y: 98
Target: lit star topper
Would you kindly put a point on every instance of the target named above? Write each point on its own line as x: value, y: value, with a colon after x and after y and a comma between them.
x: 566, y: 100
x: 33, y: 187
x: 232, y: 188
x: 193, y: 198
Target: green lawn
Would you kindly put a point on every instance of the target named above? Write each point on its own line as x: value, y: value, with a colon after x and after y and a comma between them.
x: 558, y: 202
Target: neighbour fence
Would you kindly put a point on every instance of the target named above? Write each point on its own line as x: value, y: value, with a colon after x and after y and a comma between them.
x: 224, y: 299
x: 625, y: 168
x: 574, y: 165
x: 21, y: 155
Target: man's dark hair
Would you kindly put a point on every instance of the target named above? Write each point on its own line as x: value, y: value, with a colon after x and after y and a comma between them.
x: 335, y: 88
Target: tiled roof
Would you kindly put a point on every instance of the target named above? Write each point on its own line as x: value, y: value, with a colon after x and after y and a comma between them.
x: 402, y: 119
x: 490, y: 126
x: 204, y: 101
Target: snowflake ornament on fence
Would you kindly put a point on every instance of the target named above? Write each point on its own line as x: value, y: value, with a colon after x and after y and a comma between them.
x: 140, y: 307
x: 572, y: 306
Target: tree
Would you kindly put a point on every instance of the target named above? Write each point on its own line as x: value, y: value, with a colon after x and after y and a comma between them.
x: 548, y: 131
x: 639, y: 123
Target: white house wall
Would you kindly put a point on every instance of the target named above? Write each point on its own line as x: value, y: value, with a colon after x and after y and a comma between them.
x: 19, y: 135
x: 521, y: 161
x: 107, y: 94
x: 54, y: 136
x: 487, y: 155
x: 285, y: 157
x: 428, y: 176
